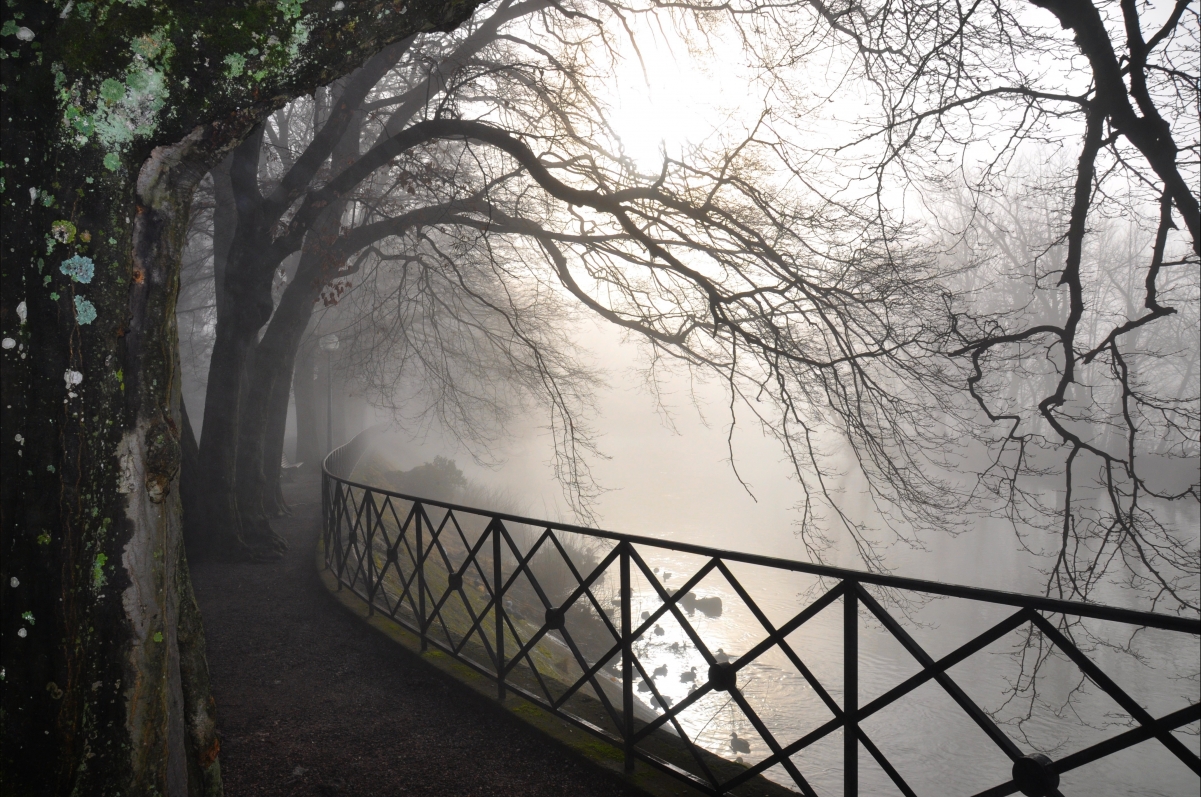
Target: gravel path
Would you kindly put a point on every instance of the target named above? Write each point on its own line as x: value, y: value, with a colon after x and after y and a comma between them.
x: 311, y: 701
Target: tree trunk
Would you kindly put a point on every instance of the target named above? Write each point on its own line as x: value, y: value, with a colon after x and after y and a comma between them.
x: 266, y: 400
x: 304, y: 386
x: 270, y: 373
x: 218, y: 516
x: 198, y: 708
x: 105, y: 689
x: 273, y: 441
x: 244, y: 306
x: 97, y: 694
x: 237, y: 514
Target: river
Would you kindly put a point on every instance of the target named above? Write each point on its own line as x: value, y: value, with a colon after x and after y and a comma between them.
x: 671, y: 480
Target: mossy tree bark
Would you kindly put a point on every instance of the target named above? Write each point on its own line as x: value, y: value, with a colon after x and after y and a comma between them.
x: 111, y: 114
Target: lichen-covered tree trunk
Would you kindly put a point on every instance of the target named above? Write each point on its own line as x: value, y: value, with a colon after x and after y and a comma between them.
x: 94, y: 680
x: 111, y: 114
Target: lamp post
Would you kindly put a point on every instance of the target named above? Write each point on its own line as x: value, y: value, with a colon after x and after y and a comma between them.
x: 329, y: 344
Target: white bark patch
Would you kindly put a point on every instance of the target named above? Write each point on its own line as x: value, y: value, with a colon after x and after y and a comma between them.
x: 137, y: 558
x: 148, y: 601
x: 131, y: 466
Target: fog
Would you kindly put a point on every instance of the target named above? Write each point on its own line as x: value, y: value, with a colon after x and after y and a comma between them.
x: 667, y: 475
x: 691, y: 283
x: 665, y: 471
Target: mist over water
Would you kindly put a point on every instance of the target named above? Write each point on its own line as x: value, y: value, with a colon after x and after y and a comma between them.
x: 668, y: 477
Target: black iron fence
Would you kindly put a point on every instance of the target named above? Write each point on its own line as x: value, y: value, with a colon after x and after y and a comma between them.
x: 537, y: 607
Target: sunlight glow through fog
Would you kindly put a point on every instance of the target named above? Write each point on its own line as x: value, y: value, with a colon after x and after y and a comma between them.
x: 663, y: 98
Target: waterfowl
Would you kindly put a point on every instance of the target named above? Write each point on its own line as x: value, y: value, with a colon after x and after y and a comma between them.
x: 688, y: 677
x: 660, y: 671
x: 739, y: 745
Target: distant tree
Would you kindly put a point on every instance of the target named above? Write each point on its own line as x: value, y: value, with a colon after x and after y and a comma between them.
x: 441, y: 480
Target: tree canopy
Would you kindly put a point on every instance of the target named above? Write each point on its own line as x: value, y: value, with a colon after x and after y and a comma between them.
x: 834, y: 257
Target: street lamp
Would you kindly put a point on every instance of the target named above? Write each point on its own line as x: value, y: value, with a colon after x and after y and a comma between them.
x: 329, y: 344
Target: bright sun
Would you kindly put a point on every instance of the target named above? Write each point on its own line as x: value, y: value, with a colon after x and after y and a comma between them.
x: 675, y: 102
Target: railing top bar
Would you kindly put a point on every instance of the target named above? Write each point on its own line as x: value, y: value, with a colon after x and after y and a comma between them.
x: 1166, y: 622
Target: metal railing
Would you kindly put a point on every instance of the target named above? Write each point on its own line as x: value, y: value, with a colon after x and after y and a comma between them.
x: 454, y: 584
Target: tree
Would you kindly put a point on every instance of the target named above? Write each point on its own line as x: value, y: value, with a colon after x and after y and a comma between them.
x: 709, y: 210
x: 247, y: 395
x: 112, y: 114
x: 883, y: 107
x: 248, y: 400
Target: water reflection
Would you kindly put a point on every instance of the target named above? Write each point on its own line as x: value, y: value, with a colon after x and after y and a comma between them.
x: 937, y: 748
x: 673, y: 484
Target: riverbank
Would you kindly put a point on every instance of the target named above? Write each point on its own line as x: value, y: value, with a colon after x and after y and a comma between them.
x: 312, y: 701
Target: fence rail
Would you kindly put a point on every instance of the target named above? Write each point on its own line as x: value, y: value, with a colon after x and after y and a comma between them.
x: 476, y: 585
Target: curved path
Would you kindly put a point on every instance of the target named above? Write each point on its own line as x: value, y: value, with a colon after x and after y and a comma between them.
x: 311, y: 701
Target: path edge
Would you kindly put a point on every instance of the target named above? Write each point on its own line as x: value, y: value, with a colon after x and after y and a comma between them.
x: 596, y: 752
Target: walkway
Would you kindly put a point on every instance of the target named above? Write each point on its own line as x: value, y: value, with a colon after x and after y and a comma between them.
x: 311, y: 701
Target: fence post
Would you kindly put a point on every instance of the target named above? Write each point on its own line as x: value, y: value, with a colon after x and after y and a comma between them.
x: 335, y: 534
x: 627, y: 659
x: 369, y: 549
x: 850, y: 682
x: 325, y: 524
x: 420, y: 575
x: 498, y: 609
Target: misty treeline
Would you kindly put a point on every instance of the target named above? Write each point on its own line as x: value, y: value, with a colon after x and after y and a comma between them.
x: 971, y: 280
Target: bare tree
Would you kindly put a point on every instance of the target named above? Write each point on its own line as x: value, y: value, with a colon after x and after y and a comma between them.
x: 709, y: 260
x: 882, y: 108
x: 789, y: 264
x: 247, y: 394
